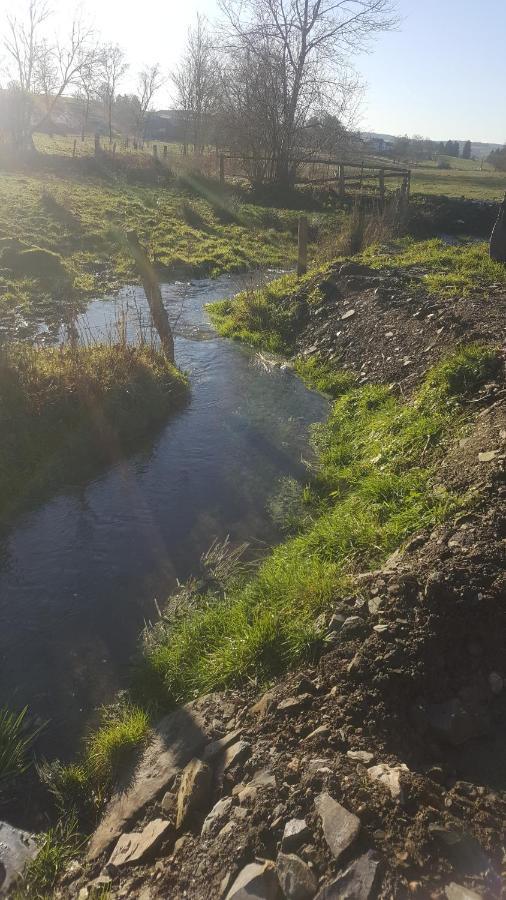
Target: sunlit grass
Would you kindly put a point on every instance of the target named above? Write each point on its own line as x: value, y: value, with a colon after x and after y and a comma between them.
x: 447, y: 269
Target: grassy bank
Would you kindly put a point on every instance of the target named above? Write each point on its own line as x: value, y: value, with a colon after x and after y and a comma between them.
x: 64, y: 410
x: 61, y: 238
x: 270, y: 317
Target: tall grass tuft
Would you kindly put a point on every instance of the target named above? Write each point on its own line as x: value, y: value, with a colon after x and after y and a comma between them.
x: 16, y: 740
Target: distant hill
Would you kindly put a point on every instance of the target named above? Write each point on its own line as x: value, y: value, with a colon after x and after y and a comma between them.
x: 479, y: 150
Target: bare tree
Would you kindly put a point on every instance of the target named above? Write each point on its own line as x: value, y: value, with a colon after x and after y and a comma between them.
x: 304, y: 48
x: 149, y: 82
x: 41, y: 66
x: 113, y: 67
x: 88, y: 85
x: 197, y: 83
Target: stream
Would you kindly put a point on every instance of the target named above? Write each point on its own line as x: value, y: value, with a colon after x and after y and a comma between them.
x: 79, y: 573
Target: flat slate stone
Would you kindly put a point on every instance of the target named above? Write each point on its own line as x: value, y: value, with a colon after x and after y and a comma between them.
x: 456, y: 891
x: 17, y: 848
x: 356, y: 883
x: 139, y: 845
x: 295, y: 877
x: 177, y: 738
x: 257, y: 881
x: 295, y: 834
x: 340, y: 826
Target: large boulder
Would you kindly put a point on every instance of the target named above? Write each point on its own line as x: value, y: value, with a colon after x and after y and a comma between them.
x: 17, y: 849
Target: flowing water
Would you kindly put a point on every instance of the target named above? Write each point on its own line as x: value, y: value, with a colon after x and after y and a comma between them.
x: 79, y: 574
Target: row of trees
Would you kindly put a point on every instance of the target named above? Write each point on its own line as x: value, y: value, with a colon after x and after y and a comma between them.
x: 418, y: 148
x: 42, y: 70
x: 498, y: 159
x: 275, y: 77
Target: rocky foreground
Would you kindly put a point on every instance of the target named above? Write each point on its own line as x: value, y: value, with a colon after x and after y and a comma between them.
x: 379, y: 771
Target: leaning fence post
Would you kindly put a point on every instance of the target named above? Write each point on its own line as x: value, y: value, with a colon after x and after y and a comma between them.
x: 222, y: 168
x: 302, y: 250
x: 153, y: 293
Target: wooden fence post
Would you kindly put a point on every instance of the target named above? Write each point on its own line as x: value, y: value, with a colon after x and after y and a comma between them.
x: 74, y: 149
x: 302, y: 250
x: 97, y: 145
x: 114, y: 150
x: 341, y: 182
x: 165, y: 151
x: 382, y: 185
x: 153, y: 293
x: 155, y: 151
x: 222, y: 168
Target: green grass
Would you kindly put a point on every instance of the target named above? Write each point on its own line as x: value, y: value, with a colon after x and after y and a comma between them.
x: 447, y: 269
x: 122, y: 731
x: 377, y: 456
x: 16, y: 739
x: 66, y: 409
x: 191, y: 229
x: 273, y: 316
x: 57, y: 848
x: 79, y: 788
x: 462, y: 180
x: 262, y: 317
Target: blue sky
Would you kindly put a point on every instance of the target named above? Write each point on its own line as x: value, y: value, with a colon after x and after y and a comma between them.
x: 442, y: 74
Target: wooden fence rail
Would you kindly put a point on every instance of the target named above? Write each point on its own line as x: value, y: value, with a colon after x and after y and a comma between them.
x: 328, y: 171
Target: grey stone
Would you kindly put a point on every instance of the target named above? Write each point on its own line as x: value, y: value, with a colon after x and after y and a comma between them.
x: 452, y: 722
x: 138, y: 846
x: 194, y: 791
x: 356, y: 883
x: 361, y: 756
x: 215, y: 818
x: 295, y: 834
x: 262, y: 706
x: 216, y: 747
x: 257, y: 881
x: 295, y: 877
x: 496, y: 683
x: 456, y: 891
x: 17, y: 848
x: 168, y: 804
x: 390, y: 778
x: 176, y: 739
x: 234, y: 756
x: 290, y: 705
x: 322, y: 731
x: 463, y: 850
x: 340, y: 826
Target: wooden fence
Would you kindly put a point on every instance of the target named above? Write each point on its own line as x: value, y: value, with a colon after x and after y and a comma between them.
x: 347, y: 178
